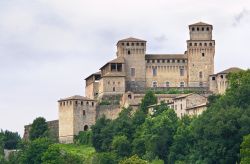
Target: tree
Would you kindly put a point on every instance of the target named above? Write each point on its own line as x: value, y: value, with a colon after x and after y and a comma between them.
x: 33, y: 151
x: 245, y: 150
x: 149, y: 99
x: 121, y: 146
x: 105, y: 158
x: 133, y: 160
x: 39, y: 129
x: 10, y: 139
x: 54, y: 155
x: 84, y: 137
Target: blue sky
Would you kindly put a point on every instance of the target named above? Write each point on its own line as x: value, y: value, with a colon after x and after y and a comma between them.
x: 47, y: 47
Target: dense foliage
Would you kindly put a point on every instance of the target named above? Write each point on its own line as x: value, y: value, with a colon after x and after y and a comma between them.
x: 39, y: 129
x: 9, y: 140
x: 140, y: 137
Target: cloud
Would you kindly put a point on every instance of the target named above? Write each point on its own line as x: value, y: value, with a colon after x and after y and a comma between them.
x: 240, y: 16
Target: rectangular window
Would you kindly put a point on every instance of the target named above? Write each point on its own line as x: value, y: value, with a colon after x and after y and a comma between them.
x: 132, y: 72
x: 181, y: 71
x: 154, y: 70
x: 182, y: 84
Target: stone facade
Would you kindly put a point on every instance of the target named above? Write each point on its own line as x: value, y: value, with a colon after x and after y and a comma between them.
x: 189, y: 104
x: 76, y: 114
x: 53, y: 127
x: 219, y: 83
x: 133, y: 71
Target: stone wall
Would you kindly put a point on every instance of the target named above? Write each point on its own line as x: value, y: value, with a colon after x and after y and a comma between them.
x: 53, y: 130
x: 109, y: 111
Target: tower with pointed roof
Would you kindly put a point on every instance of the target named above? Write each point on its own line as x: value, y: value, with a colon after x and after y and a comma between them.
x: 200, y: 53
x: 133, y: 51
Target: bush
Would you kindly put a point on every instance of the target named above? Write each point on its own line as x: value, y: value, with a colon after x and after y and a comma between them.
x: 84, y: 138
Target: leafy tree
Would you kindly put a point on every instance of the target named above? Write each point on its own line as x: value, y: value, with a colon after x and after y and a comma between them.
x: 105, y: 158
x: 33, y: 151
x: 10, y: 139
x: 149, y: 99
x: 54, y: 155
x: 84, y: 137
x: 102, y: 135
x: 158, y: 132
x: 39, y: 128
x: 121, y: 146
x: 245, y: 150
x: 133, y: 160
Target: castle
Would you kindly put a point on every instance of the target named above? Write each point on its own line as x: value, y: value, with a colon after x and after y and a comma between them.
x: 122, y: 82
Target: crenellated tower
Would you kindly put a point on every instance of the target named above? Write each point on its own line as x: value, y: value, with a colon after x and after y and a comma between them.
x: 133, y: 51
x: 200, y: 51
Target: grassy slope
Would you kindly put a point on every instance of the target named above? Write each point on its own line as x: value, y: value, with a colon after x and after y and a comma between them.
x: 84, y: 151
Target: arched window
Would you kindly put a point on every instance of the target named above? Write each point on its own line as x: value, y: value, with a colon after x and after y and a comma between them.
x: 113, y: 89
x: 83, y: 113
x: 205, y: 44
x: 202, y: 29
x: 207, y: 28
x: 210, y: 44
x: 128, y: 52
x: 192, y: 28
x: 154, y: 84
x: 93, y: 104
x: 190, y: 44
x: 200, y: 74
x: 195, y: 44
x: 127, y: 44
x: 200, y: 44
x: 198, y: 29
x: 86, y: 127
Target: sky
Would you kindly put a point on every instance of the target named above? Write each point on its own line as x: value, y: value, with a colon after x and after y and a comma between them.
x: 48, y: 47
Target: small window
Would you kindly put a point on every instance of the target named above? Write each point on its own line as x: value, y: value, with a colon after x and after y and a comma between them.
x: 200, y: 74
x: 200, y: 44
x: 87, y: 103
x: 128, y: 52
x: 201, y: 84
x: 182, y: 84
x: 127, y: 44
x: 205, y: 44
x: 153, y: 61
x: 137, y: 44
x: 132, y: 44
x: 147, y: 61
x: 154, y: 70
x: 210, y: 44
x: 76, y: 102
x: 132, y: 72
x: 193, y: 29
x: 86, y: 127
x: 198, y: 29
x: 181, y: 106
x: 202, y: 29
x: 81, y: 103
x: 93, y: 104
x: 182, y: 71
x: 129, y: 96
x: 195, y: 44
x: 142, y: 44
x: 213, y: 78
x: 221, y: 76
x: 190, y: 44
x: 113, y: 89
x: 203, y: 54
x: 207, y: 28
x: 163, y: 61
x: 113, y: 82
x: 158, y: 60
x: 154, y: 84
x: 168, y: 61
x: 167, y: 84
x: 122, y: 44
x: 83, y: 113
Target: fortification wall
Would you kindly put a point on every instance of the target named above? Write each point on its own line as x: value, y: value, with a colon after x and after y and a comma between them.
x: 109, y: 111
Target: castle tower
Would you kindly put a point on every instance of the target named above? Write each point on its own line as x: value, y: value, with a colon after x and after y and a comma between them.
x: 133, y: 51
x: 200, y: 51
x: 76, y: 114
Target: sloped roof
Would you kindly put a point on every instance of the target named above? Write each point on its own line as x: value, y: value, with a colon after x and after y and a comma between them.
x: 197, y: 106
x: 165, y: 56
x: 76, y: 97
x: 131, y: 39
x: 120, y: 60
x: 183, y: 96
x: 231, y: 70
x: 200, y: 24
x: 97, y: 73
